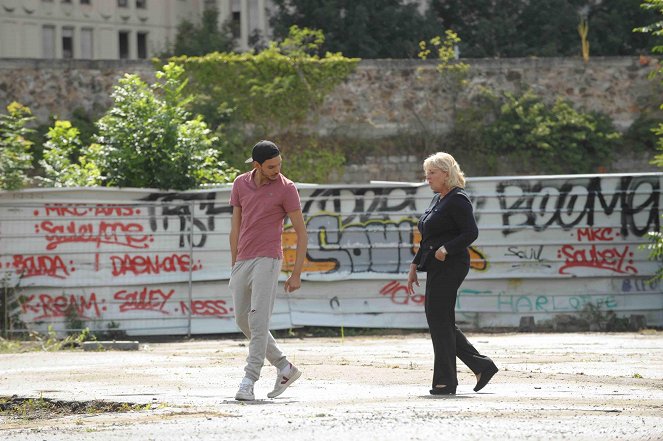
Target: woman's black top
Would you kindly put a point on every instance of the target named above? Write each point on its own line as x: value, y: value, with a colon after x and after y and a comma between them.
x: 448, y: 221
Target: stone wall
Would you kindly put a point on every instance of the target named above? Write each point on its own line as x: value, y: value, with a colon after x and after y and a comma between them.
x: 58, y: 87
x: 387, y: 97
x: 382, y: 98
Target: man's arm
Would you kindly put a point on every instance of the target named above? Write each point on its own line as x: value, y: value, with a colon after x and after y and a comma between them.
x: 297, y: 220
x: 234, y: 232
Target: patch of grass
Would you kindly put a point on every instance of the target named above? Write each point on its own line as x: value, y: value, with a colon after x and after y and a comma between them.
x: 636, y: 375
x: 35, y: 341
x: 46, y: 408
x: 9, y: 346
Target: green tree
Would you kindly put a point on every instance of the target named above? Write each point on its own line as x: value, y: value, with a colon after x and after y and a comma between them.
x: 15, y: 157
x: 486, y: 28
x: 611, y: 28
x: 391, y: 29
x: 66, y: 162
x: 204, y: 38
x: 149, y: 139
x: 656, y: 29
x: 519, y: 28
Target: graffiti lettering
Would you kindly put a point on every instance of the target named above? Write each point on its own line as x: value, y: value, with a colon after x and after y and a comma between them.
x: 530, y: 254
x: 551, y: 303
x: 80, y: 210
x: 73, y: 210
x: 362, y: 204
x: 596, y: 234
x: 377, y: 246
x: 398, y: 294
x: 640, y: 285
x: 611, y: 259
x: 33, y: 266
x: 215, y: 308
x: 144, y: 300
x: 137, y: 264
x: 113, y: 233
x: 571, y: 202
x: 49, y: 306
x: 184, y: 207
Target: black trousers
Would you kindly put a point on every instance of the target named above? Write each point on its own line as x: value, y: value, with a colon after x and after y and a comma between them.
x: 442, y: 282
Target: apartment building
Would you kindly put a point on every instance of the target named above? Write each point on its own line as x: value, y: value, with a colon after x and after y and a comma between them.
x: 114, y: 29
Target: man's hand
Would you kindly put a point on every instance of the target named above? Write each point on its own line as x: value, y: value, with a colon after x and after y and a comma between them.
x: 293, y: 283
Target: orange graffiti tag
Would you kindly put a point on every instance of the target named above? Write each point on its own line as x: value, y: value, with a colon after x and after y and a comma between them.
x: 289, y: 241
x: 477, y: 260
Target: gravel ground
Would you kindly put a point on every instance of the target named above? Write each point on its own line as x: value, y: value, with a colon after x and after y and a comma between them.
x: 550, y: 387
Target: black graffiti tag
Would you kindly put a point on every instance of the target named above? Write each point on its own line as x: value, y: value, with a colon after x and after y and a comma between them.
x: 565, y: 203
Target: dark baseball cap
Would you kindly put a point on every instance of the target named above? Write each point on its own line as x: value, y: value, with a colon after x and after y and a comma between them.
x: 263, y: 151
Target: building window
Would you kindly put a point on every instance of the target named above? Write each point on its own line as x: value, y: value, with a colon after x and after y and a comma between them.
x: 141, y: 4
x: 67, y: 42
x: 85, y: 2
x: 124, y: 45
x: 236, y: 24
x: 48, y: 41
x: 122, y: 3
x: 141, y: 40
x: 66, y: 1
x: 87, y: 43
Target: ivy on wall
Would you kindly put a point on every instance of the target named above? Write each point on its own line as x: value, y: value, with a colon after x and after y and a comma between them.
x: 250, y: 96
x: 267, y: 92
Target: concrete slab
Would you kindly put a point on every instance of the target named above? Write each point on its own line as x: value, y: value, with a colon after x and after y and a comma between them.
x: 550, y: 387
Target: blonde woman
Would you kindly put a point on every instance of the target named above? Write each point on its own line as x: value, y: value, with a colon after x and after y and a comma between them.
x: 447, y: 230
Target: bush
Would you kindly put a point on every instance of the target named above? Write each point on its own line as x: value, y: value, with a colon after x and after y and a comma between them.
x: 535, y: 137
x: 15, y: 157
x: 148, y: 138
x: 66, y: 162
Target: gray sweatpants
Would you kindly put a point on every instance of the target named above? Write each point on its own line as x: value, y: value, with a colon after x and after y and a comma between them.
x: 253, y: 285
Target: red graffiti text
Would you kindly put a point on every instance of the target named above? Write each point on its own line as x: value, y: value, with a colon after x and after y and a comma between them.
x: 591, y: 234
x: 610, y: 259
x: 137, y: 264
x: 399, y: 295
x: 215, y: 308
x: 48, y: 306
x: 80, y: 210
x: 33, y: 266
x: 144, y: 300
x: 114, y: 233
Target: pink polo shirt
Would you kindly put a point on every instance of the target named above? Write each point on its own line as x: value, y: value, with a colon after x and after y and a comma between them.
x: 263, y: 211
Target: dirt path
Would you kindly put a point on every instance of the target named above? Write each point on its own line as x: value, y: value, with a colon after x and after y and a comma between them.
x: 550, y: 387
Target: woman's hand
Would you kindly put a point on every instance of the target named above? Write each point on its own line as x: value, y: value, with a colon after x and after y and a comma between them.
x: 412, y: 279
x: 441, y: 254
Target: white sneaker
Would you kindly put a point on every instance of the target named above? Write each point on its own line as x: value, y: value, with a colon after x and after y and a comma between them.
x: 245, y: 392
x: 284, y: 379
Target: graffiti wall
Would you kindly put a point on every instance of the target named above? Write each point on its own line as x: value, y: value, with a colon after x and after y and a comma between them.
x: 154, y: 262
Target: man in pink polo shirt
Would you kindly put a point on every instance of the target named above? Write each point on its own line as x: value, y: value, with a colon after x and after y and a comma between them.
x: 261, y: 199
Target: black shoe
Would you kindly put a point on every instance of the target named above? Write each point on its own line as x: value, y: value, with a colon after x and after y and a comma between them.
x: 446, y: 390
x: 485, y: 378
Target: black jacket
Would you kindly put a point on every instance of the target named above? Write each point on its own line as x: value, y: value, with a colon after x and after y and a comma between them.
x: 448, y: 221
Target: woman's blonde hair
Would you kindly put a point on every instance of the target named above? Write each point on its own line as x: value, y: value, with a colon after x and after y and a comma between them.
x: 445, y: 162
